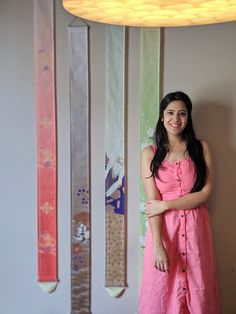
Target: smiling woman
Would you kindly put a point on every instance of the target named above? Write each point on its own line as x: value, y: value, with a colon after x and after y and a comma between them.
x: 179, y: 274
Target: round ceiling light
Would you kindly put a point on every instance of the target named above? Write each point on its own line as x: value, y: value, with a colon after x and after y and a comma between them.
x: 153, y: 13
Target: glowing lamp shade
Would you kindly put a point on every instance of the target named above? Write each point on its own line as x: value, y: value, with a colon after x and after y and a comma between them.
x: 149, y: 13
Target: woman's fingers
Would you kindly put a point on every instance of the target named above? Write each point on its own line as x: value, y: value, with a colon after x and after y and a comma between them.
x: 161, y: 260
x: 166, y: 266
x: 150, y: 211
x: 162, y: 266
x: 150, y: 215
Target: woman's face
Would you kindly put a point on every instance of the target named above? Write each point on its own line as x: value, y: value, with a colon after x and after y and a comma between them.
x: 175, y: 117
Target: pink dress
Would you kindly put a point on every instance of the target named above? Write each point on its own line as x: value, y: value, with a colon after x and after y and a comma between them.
x: 191, y: 285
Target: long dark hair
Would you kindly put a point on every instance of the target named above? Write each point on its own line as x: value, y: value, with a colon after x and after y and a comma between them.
x: 193, y: 145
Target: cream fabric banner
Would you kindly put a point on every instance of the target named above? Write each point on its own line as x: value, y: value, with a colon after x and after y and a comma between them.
x: 150, y: 57
x: 80, y: 170
x: 115, y: 162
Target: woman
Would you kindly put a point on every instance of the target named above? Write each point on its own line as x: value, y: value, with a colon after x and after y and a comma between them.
x: 177, y: 174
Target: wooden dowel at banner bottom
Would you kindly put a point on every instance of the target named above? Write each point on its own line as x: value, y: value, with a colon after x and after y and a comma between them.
x: 115, y: 292
x: 48, y: 286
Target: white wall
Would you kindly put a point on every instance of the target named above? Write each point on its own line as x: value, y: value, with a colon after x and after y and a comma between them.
x: 199, y: 60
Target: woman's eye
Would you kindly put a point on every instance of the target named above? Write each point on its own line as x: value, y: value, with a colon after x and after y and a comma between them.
x: 170, y: 113
x: 183, y: 114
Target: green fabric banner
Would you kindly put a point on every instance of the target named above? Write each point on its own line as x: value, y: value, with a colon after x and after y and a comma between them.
x: 150, y: 54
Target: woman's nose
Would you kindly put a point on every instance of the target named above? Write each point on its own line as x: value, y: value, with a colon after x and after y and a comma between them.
x: 176, y: 117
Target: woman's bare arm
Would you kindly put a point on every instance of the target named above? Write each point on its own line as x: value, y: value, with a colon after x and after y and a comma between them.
x: 152, y: 193
x: 190, y: 200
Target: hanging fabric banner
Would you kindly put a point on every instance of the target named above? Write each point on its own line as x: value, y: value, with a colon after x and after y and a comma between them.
x: 46, y: 143
x: 80, y: 170
x: 115, y: 180
x: 150, y: 56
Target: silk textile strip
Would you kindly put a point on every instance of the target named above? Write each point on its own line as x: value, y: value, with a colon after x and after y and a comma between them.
x: 115, y: 162
x: 46, y: 143
x: 150, y: 57
x: 80, y: 169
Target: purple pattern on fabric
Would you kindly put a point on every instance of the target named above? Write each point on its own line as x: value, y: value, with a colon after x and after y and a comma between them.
x: 119, y: 203
x: 83, y: 195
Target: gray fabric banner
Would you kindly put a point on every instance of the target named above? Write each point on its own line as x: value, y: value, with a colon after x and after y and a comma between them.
x: 80, y: 170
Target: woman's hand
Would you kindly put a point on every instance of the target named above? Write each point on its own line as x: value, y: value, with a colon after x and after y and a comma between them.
x: 161, y: 261
x: 155, y: 207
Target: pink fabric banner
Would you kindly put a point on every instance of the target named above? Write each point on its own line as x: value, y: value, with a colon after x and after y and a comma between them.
x: 46, y: 139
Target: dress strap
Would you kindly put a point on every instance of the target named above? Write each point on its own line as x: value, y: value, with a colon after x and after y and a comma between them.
x: 154, y: 148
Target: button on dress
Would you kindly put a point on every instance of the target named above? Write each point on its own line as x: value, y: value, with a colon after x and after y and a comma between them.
x: 190, y: 287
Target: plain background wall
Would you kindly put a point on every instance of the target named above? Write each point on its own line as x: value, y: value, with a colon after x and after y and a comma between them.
x: 199, y: 60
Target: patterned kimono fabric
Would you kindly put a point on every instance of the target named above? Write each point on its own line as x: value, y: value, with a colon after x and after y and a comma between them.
x: 115, y: 181
x: 46, y: 143
x: 80, y: 170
